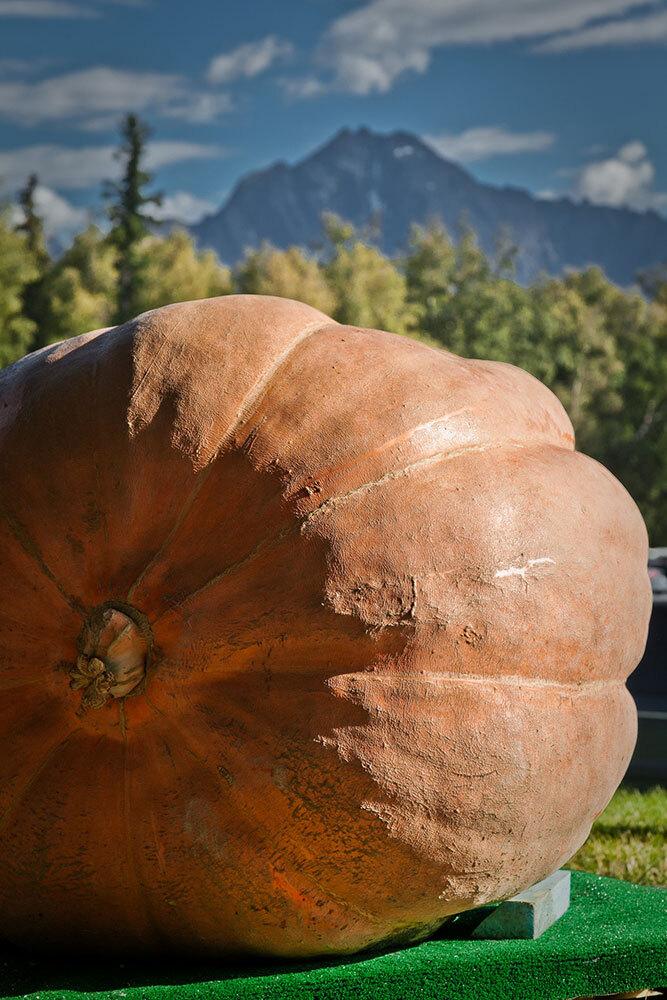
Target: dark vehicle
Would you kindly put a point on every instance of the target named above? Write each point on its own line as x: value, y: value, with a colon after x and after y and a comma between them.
x: 648, y: 684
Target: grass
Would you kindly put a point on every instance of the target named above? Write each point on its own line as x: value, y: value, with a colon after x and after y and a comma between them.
x: 629, y: 839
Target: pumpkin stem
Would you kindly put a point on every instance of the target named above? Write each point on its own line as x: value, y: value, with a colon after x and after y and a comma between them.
x: 114, y: 651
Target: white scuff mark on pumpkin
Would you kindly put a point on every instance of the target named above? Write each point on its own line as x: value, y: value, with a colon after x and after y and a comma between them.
x: 522, y: 570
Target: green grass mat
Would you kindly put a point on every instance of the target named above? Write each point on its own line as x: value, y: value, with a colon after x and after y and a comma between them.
x: 612, y: 939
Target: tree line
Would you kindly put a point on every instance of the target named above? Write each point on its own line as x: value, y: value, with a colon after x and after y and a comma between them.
x: 602, y: 350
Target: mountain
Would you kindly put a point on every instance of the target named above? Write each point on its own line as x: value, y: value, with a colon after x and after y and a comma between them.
x: 362, y: 174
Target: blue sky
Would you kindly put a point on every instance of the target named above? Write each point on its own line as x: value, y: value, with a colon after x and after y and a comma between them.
x: 557, y: 96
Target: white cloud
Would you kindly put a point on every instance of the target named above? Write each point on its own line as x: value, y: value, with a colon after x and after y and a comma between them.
x: 302, y: 86
x: 196, y: 108
x: 56, y: 8
x: 164, y: 152
x: 73, y: 169
x: 623, y: 180
x: 92, y: 97
x: 43, y: 8
x: 108, y: 122
x: 90, y: 91
x: 486, y: 141
x: 183, y: 207
x: 632, y: 31
x: 12, y: 67
x: 248, y: 60
x: 632, y: 152
x: 60, y: 217
x: 369, y: 48
x: 200, y: 108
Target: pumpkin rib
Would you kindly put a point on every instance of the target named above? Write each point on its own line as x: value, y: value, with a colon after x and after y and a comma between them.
x: 159, y: 847
x: 173, y: 531
x: 442, y: 456
x: 20, y: 753
x: 400, y: 439
x: 96, y: 467
x: 25, y: 789
x: 323, y: 413
x: 21, y: 535
x: 153, y: 707
x: 258, y: 549
x: 99, y: 434
x: 256, y: 394
x: 137, y: 887
x: 583, y: 688
x: 252, y: 399
x: 433, y: 733
x: 136, y: 389
x: 331, y: 501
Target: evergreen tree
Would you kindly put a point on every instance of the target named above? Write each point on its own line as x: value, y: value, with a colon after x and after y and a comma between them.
x: 32, y: 224
x: 129, y: 218
x: 32, y: 228
x: 17, y: 270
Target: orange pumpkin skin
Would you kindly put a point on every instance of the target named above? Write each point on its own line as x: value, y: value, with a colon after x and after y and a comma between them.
x: 387, y: 614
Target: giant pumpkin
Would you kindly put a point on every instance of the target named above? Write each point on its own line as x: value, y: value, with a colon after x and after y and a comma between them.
x: 310, y: 636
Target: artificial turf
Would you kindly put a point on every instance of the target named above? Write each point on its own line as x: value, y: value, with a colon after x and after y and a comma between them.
x: 612, y: 939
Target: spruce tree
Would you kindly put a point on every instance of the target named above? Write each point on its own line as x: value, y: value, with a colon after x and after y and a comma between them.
x: 32, y: 228
x: 32, y: 224
x: 129, y: 219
